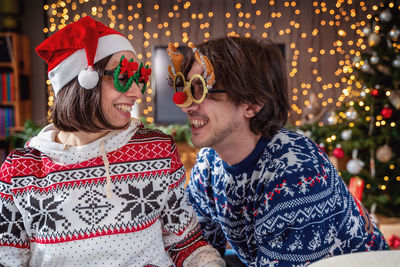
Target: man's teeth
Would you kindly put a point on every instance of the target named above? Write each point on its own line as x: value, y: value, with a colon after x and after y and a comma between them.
x: 126, y: 108
x: 198, y: 123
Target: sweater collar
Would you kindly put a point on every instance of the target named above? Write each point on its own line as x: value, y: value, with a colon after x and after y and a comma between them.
x: 45, y: 143
x: 250, y: 161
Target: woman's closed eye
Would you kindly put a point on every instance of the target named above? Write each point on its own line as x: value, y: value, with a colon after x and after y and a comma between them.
x: 123, y: 78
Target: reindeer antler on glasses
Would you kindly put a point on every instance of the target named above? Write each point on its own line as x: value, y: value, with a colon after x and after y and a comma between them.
x: 208, y: 68
x: 183, y: 96
x: 176, y: 58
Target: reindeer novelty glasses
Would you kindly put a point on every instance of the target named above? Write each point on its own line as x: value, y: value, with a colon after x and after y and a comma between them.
x: 196, y: 89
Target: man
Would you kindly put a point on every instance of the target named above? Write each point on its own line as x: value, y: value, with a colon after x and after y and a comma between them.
x: 272, y: 194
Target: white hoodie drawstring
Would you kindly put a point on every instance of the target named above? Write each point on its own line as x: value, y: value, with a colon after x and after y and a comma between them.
x: 107, y: 165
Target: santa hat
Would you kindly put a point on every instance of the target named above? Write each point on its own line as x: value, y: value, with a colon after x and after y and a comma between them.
x: 73, y: 50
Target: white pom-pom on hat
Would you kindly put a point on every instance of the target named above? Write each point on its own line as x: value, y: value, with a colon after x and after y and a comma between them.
x: 88, y: 78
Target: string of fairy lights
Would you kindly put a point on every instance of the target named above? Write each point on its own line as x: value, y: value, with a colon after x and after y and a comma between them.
x: 320, y: 37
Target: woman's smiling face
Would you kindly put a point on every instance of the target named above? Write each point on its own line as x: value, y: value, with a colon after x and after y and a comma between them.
x: 116, y: 105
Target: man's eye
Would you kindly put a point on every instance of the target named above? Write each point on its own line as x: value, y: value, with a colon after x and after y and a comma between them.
x: 179, y: 83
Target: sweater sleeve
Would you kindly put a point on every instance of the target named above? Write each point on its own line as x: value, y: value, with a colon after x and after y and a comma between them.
x: 202, y: 200
x: 14, y: 243
x: 305, y: 215
x: 291, y: 222
x: 182, y: 234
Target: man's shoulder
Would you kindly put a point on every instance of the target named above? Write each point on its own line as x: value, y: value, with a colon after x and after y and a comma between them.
x: 288, y: 138
x: 290, y: 154
x: 207, y: 152
x: 293, y: 146
x: 207, y: 160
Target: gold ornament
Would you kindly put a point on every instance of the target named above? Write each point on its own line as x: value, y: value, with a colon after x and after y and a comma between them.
x: 384, y: 153
x: 332, y: 119
x: 394, y: 99
x: 351, y: 114
x: 373, y: 39
x: 394, y: 33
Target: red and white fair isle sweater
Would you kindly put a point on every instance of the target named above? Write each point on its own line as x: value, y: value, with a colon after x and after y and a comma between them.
x: 55, y: 210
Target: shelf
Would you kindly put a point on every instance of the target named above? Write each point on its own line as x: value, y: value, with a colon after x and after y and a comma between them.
x: 16, y: 60
x: 12, y: 130
x: 6, y: 65
x: 16, y: 129
x: 7, y: 103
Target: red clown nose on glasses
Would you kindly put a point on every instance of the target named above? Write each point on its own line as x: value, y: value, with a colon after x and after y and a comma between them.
x: 196, y: 89
x: 179, y: 98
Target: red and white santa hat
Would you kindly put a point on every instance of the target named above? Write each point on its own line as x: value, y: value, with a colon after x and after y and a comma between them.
x: 73, y: 50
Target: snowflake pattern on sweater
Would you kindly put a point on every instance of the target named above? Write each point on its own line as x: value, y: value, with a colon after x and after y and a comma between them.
x: 56, y: 213
x: 285, y: 204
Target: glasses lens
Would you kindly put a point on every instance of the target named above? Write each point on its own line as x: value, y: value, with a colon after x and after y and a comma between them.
x: 179, y: 83
x: 197, y: 88
x: 141, y: 85
x: 123, y: 79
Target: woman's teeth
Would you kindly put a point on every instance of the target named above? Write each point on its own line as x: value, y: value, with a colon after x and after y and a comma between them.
x: 198, y: 123
x: 126, y: 108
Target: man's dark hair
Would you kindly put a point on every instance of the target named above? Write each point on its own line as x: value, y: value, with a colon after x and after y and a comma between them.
x: 252, y: 72
x: 78, y: 109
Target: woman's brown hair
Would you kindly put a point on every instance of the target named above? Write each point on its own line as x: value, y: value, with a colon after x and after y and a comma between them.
x: 78, y: 109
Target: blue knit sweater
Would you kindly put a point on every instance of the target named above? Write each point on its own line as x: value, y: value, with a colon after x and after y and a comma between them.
x: 285, y: 204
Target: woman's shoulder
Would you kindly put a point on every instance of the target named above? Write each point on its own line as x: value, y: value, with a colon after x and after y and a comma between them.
x: 146, y: 133
x: 21, y: 159
x: 25, y: 152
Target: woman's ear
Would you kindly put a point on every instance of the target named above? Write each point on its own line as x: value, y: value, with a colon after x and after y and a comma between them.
x: 250, y: 110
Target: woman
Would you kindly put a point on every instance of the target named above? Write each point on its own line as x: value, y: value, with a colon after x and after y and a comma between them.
x: 95, y: 187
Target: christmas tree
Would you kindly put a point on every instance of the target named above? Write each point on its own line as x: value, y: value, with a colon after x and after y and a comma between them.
x: 367, y: 128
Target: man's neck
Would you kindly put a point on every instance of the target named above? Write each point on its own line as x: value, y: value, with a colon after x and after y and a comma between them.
x: 238, y: 149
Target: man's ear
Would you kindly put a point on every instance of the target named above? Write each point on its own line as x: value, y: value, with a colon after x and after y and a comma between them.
x: 250, y: 110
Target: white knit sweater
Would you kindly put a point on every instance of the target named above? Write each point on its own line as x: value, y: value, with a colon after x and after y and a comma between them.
x: 55, y: 210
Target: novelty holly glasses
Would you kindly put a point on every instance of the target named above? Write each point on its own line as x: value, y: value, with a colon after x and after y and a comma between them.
x: 195, y: 89
x: 128, y: 72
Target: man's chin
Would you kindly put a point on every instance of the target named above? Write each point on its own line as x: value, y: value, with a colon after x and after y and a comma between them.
x: 200, y: 143
x: 197, y: 143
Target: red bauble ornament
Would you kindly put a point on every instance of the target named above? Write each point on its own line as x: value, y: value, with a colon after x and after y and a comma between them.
x: 179, y: 98
x: 356, y: 187
x: 387, y: 112
x: 375, y: 92
x: 394, y: 241
x: 338, y: 152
